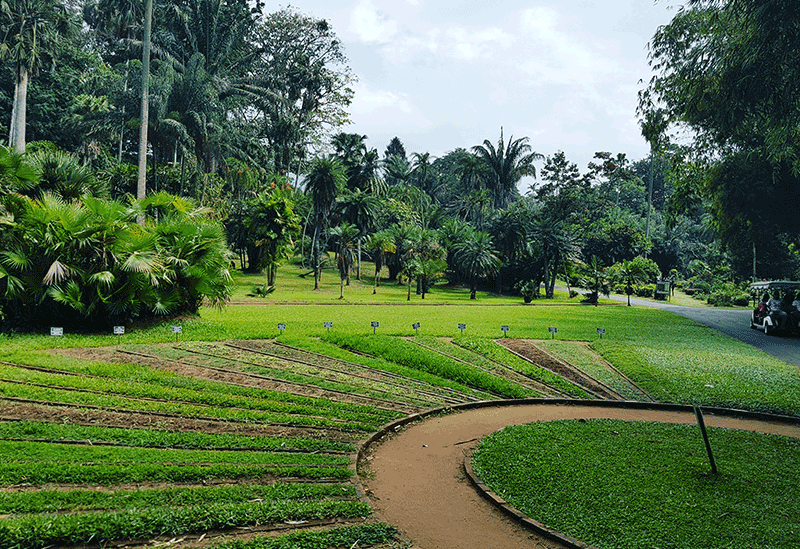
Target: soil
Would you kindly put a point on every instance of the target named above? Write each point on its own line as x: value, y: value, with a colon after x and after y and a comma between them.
x: 416, y: 479
x: 529, y: 350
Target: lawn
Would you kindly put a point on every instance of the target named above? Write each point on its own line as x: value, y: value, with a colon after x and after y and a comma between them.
x: 269, y: 397
x: 629, y: 485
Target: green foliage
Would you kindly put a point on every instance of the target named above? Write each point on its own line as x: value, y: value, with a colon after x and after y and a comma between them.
x: 88, y: 264
x: 413, y: 356
x: 44, y: 531
x: 349, y: 536
x: 634, y: 484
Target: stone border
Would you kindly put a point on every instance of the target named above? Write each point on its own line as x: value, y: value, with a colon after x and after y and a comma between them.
x: 501, y: 504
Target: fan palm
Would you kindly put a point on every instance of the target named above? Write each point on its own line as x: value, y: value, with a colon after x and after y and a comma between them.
x: 346, y: 236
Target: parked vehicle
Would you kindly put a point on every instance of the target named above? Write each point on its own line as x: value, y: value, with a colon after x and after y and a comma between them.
x: 777, y: 306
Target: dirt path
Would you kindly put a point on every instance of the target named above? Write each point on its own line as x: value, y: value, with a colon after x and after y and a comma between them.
x: 417, y: 481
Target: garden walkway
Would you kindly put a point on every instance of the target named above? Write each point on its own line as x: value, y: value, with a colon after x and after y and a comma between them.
x: 417, y: 481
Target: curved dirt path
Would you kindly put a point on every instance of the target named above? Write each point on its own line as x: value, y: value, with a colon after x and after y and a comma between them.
x: 417, y: 482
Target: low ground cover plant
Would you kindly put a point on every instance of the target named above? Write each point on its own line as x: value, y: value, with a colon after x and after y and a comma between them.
x: 413, y: 356
x: 154, y: 438
x: 628, y: 485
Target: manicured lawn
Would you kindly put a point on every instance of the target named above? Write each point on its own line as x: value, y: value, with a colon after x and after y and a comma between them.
x: 630, y: 485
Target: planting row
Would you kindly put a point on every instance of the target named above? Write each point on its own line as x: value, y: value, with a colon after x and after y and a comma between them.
x: 152, y: 438
x: 414, y: 356
x: 39, y: 531
x: 493, y: 351
x: 107, y: 378
x: 351, y: 381
x: 25, y: 390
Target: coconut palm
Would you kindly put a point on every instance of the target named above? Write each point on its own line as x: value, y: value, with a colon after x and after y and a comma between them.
x: 477, y: 257
x: 326, y: 179
x: 507, y: 164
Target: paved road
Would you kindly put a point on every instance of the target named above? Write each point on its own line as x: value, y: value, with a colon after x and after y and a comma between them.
x: 734, y: 323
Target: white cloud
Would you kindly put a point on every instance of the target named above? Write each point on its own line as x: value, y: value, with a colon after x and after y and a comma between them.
x: 378, y: 108
x: 372, y: 25
x: 558, y: 57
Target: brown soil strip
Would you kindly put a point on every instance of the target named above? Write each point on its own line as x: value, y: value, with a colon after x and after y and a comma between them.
x: 528, y: 350
x: 416, y: 482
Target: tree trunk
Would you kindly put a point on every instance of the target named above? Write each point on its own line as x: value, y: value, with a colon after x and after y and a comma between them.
x: 315, y: 254
x: 12, y: 122
x: 20, y: 109
x: 141, y: 185
x: 358, y: 267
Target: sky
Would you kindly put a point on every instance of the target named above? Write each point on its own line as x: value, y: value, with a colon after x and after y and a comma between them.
x: 443, y: 74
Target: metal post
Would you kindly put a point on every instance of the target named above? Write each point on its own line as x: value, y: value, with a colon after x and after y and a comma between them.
x: 699, y: 414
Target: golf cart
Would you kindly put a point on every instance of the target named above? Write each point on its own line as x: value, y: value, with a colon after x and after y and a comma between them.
x: 776, y: 306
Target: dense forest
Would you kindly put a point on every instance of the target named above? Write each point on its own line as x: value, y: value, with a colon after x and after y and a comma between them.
x: 245, y: 160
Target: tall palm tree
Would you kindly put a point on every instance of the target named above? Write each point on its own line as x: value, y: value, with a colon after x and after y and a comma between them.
x: 507, y: 164
x: 477, y: 257
x: 360, y: 209
x: 141, y: 180
x: 30, y: 31
x: 345, y: 235
x: 326, y: 179
x: 380, y: 244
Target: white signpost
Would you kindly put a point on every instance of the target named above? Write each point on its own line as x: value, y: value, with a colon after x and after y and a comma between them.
x: 327, y: 325
x: 553, y: 331
x: 374, y: 326
x: 462, y: 327
x: 504, y: 329
x: 177, y: 330
x: 601, y: 331
x: 281, y: 327
x: 56, y: 332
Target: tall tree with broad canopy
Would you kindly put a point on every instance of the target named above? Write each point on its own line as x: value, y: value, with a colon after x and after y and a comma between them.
x: 303, y: 67
x: 727, y: 70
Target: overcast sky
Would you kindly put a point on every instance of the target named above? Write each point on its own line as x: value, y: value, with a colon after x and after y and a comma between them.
x: 442, y: 74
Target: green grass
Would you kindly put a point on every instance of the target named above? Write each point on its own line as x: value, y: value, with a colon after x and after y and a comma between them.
x: 154, y: 438
x: 629, y: 485
x: 672, y: 358
x: 290, y: 287
x: 52, y: 501
x: 344, y: 537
